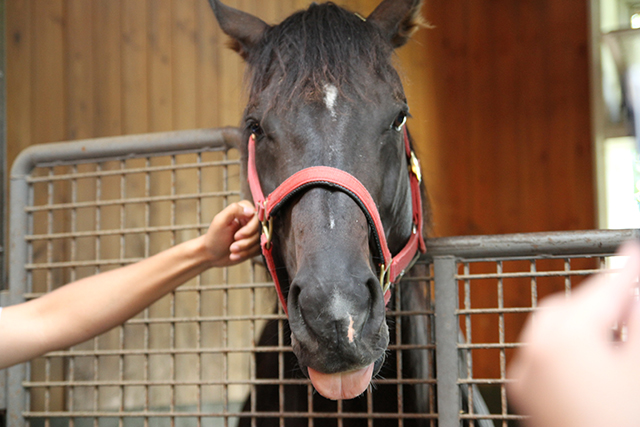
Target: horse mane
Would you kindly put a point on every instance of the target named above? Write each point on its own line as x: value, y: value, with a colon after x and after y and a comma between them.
x: 325, y: 44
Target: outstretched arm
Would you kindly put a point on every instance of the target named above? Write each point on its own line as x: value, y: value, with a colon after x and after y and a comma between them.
x: 88, y: 307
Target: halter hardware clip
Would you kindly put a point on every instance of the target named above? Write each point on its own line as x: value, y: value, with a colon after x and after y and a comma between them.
x: 385, y: 279
x: 267, y: 229
x: 415, y: 166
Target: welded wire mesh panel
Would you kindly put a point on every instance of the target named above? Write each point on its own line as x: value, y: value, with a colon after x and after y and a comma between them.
x: 186, y: 355
x: 216, y: 352
x: 494, y: 283
x: 496, y: 296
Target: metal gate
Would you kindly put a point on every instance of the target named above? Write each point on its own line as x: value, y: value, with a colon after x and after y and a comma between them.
x: 82, y: 207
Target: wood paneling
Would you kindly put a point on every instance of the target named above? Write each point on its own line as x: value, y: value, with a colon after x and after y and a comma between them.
x: 506, y: 141
x: 498, y: 91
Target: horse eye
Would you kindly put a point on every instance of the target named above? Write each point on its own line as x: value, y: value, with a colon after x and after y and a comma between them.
x: 400, y: 120
x: 255, y: 129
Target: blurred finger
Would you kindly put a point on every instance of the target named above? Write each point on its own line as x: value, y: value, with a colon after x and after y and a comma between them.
x: 612, y: 294
x: 252, y: 227
x: 245, y: 253
x: 248, y: 211
x: 245, y: 244
x: 230, y: 214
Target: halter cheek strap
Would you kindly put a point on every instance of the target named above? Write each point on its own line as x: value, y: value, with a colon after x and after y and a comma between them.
x: 391, y: 267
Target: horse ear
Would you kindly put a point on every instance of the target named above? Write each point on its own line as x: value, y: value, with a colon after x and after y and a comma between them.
x: 399, y: 19
x: 244, y: 29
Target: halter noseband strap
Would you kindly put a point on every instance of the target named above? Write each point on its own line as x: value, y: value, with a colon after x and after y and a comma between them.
x: 391, y: 268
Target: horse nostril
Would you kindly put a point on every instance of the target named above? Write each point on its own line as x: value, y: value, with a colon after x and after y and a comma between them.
x: 293, y: 299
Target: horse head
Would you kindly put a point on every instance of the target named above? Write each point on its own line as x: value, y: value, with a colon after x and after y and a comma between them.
x: 325, y: 101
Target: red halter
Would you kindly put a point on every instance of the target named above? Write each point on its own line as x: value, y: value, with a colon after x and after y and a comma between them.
x: 392, y: 268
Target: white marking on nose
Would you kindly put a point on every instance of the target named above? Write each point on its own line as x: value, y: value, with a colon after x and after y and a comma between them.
x: 351, y: 332
x: 330, y: 97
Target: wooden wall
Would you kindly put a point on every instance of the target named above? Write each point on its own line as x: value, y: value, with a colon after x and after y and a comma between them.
x: 499, y: 91
x: 91, y: 68
x: 504, y: 98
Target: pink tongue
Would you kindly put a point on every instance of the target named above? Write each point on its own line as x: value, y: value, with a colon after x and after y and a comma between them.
x: 345, y: 385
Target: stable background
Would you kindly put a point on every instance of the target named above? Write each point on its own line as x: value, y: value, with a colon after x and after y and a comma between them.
x: 499, y: 92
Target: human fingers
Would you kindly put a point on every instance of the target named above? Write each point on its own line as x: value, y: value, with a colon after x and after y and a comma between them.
x: 246, y: 243
x: 230, y: 216
x: 244, y: 249
x: 609, y: 296
x: 249, y: 229
x: 631, y: 315
x: 248, y: 212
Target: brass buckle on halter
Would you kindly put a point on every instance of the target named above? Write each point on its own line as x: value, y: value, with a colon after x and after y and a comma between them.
x: 385, y: 280
x: 267, y: 229
x: 415, y: 166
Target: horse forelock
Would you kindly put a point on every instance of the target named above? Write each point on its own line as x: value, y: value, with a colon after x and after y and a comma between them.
x: 323, y: 45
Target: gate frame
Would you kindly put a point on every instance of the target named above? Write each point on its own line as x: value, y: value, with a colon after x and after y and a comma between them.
x: 12, y: 394
x: 444, y: 253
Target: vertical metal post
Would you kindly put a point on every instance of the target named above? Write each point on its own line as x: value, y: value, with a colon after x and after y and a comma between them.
x: 17, y: 374
x: 3, y: 192
x: 446, y: 295
x: 3, y: 145
x: 3, y: 373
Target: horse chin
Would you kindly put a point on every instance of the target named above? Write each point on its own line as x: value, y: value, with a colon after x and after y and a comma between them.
x: 344, y: 385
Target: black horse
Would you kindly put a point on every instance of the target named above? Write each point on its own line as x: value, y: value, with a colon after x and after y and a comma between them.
x: 324, y: 92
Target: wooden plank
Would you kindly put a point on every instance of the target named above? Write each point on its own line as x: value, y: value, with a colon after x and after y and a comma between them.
x: 570, y: 126
x: 47, y: 119
x: 135, y: 83
x: 533, y: 124
x: 79, y: 72
x: 18, y: 62
x: 107, y: 67
x: 160, y: 66
x: 231, y: 80
x: 184, y: 64
x: 209, y: 43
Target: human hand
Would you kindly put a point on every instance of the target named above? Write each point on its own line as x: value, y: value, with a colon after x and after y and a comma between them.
x: 234, y: 235
x: 572, y: 372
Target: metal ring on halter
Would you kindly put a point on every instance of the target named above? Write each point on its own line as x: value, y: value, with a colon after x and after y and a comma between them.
x: 385, y: 280
x: 267, y: 230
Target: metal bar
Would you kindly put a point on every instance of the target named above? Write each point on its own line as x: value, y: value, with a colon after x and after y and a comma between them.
x: 507, y: 275
x: 116, y: 232
x: 446, y: 295
x: 3, y: 147
x: 257, y: 285
x: 223, y: 350
x: 3, y: 372
x: 128, y: 171
x: 226, y: 415
x: 18, y: 276
x: 99, y: 148
x: 589, y: 242
x: 123, y: 201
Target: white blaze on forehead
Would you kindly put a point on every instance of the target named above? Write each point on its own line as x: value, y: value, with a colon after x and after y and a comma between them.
x: 330, y: 97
